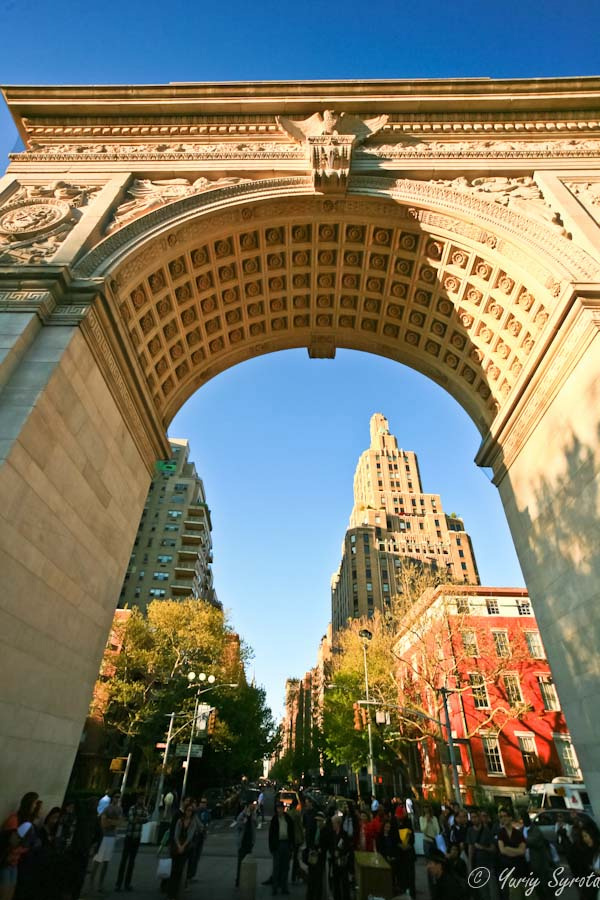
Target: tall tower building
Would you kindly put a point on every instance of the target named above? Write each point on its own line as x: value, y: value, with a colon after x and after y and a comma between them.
x: 392, y: 521
x: 172, y: 551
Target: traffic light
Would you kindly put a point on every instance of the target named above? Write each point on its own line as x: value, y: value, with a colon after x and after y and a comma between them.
x: 357, y: 717
x: 212, y: 721
x: 364, y: 712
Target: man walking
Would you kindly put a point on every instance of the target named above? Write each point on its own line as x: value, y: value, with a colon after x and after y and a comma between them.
x: 281, y: 843
x: 137, y: 816
x: 245, y: 826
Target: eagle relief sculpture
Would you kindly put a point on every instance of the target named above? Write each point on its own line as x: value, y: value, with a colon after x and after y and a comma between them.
x: 329, y: 139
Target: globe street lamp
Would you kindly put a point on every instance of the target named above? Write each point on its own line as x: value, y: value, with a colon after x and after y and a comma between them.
x: 367, y: 636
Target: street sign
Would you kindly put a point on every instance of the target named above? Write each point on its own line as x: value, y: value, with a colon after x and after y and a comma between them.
x: 182, y: 750
x: 204, y: 710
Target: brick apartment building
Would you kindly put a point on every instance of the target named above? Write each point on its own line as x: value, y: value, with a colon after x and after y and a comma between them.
x: 508, y: 727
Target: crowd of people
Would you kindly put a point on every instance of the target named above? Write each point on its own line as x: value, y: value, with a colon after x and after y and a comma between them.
x: 470, y: 855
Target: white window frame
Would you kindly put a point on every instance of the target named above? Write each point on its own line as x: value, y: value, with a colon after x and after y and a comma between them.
x: 470, y: 646
x: 492, y: 737
x: 503, y: 632
x: 518, y: 681
x: 538, y: 651
x: 481, y: 686
x: 523, y: 738
x: 564, y: 739
x: 548, y: 682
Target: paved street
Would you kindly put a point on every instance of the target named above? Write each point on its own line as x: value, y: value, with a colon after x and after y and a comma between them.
x: 216, y: 872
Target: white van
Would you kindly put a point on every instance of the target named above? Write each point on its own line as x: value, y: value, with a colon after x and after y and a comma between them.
x: 560, y: 793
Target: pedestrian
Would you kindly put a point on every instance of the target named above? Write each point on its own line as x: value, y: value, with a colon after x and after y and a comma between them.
x: 584, y: 861
x: 260, y: 809
x: 245, y: 825
x: 281, y: 842
x: 203, y: 820
x: 317, y: 859
x: 84, y: 838
x: 446, y: 884
x: 136, y: 817
x: 296, y: 816
x: 309, y: 823
x: 109, y: 820
x: 407, y: 857
x: 430, y: 827
x: 339, y: 850
x: 482, y: 852
x: 14, y: 848
x: 512, y: 849
x: 540, y: 856
x: 183, y: 838
x: 387, y: 846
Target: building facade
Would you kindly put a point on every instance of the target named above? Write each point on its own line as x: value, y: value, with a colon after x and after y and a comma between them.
x: 393, y: 521
x: 172, y: 552
x: 507, y: 723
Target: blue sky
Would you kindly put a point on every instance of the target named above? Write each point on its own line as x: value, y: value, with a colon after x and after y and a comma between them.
x: 277, y: 439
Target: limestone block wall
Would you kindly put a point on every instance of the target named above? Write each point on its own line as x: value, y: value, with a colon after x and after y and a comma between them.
x: 72, y: 487
x: 551, y: 495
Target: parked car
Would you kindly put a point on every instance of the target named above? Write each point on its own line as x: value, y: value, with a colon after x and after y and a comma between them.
x: 546, y: 820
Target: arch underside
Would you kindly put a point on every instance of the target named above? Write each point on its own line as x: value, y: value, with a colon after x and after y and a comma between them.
x: 459, y: 302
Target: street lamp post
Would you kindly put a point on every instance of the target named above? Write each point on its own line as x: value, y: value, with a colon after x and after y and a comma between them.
x: 210, y: 679
x: 366, y: 636
x: 445, y: 692
x: 161, y: 781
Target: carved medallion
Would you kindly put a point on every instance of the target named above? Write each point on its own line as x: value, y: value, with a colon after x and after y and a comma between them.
x: 31, y: 217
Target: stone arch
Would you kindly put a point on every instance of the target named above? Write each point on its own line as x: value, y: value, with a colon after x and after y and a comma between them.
x: 457, y: 287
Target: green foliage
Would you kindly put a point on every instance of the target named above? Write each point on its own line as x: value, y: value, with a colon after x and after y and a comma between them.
x: 146, y: 680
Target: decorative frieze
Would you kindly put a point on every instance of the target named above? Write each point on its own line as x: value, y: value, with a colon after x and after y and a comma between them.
x: 148, y: 195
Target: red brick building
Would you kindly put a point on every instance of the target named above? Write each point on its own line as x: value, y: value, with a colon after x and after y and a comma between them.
x: 508, y: 727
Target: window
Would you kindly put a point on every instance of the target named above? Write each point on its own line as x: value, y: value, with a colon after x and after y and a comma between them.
x: 501, y: 643
x: 480, y: 695
x: 461, y: 553
x: 174, y: 513
x: 171, y: 528
x: 469, y: 639
x: 160, y: 576
x: 548, y: 692
x: 180, y: 487
x: 352, y: 538
x: 369, y: 586
x: 168, y: 542
x: 529, y: 752
x: 512, y: 686
x: 463, y: 567
x: 567, y: 755
x: 163, y: 559
x: 493, y: 758
x: 157, y: 592
x: 177, y: 498
x: 492, y: 607
x: 524, y: 607
x: 534, y: 645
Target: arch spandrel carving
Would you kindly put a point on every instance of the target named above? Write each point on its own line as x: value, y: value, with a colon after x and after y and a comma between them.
x: 425, y: 288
